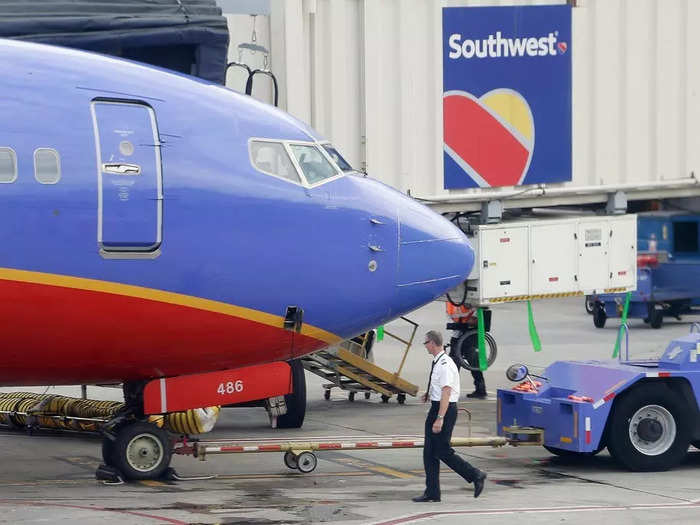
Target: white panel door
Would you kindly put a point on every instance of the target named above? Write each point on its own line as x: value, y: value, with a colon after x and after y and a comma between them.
x: 504, y: 254
x: 623, y: 252
x: 593, y: 270
x: 553, y: 258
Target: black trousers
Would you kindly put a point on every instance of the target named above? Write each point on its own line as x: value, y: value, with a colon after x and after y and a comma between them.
x: 472, y: 357
x: 437, y: 448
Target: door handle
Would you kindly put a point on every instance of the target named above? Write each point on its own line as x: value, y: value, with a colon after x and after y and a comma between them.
x: 121, y: 169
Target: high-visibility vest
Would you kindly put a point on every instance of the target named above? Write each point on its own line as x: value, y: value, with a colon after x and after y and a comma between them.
x: 459, y: 314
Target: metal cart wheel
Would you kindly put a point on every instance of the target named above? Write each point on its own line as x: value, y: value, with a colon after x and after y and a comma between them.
x: 599, y: 316
x: 385, y: 398
x: 306, y: 462
x: 656, y: 317
x: 401, y: 398
x: 351, y: 396
x: 290, y: 460
x: 327, y: 394
x: 590, y: 304
x: 368, y: 395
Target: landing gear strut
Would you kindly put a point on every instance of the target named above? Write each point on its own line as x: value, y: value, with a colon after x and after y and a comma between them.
x: 132, y: 448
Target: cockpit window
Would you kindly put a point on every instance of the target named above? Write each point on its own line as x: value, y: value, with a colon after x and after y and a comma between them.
x: 337, y: 158
x: 272, y: 158
x: 312, y: 162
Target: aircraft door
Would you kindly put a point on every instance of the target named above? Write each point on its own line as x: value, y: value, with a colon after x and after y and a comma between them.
x: 130, y: 185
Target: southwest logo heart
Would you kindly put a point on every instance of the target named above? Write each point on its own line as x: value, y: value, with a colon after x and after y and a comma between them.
x: 491, y: 137
x: 562, y: 47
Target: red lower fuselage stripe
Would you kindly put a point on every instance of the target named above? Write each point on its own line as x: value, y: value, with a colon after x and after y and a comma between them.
x: 86, y: 336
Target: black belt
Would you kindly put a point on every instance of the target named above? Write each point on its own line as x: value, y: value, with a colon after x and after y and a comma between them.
x: 438, y: 402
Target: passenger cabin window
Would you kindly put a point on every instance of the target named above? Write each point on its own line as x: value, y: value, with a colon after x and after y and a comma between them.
x: 47, y: 166
x: 272, y: 158
x: 337, y: 158
x: 312, y: 162
x: 8, y: 165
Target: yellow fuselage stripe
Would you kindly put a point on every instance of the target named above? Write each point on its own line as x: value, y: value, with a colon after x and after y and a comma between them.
x: 151, y: 294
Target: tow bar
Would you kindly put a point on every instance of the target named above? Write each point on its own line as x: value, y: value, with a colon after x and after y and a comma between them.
x: 300, y: 455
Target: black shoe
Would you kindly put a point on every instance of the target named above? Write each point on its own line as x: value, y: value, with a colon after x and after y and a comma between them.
x: 479, y: 483
x: 425, y: 499
x: 477, y: 395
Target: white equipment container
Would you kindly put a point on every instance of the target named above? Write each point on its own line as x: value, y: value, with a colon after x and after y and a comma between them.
x: 553, y: 258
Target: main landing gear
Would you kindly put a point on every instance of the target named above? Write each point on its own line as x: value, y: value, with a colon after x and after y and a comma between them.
x: 132, y: 447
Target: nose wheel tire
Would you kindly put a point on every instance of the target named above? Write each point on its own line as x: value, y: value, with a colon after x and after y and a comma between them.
x: 140, y: 451
x: 649, y: 429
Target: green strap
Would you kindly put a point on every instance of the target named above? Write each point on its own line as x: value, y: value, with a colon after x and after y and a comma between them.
x: 483, y: 362
x: 534, y: 337
x: 380, y: 333
x: 625, y: 310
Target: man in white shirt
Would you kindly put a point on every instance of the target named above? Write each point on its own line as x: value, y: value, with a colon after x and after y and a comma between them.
x: 443, y: 392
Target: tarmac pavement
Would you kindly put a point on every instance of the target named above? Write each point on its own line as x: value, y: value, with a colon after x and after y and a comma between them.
x: 49, y: 478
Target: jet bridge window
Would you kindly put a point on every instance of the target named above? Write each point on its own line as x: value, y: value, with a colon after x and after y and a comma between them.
x: 8, y: 165
x: 272, y: 158
x: 312, y: 162
x: 47, y: 166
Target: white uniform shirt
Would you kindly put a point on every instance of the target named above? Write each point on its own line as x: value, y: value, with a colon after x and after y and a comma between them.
x: 445, y: 373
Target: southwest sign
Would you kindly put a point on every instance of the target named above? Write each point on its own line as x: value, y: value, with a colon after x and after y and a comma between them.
x: 506, y: 95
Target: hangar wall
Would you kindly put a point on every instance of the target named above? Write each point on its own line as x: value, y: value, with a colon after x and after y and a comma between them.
x: 368, y: 75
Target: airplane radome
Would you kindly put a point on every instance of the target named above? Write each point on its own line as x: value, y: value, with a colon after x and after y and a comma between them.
x: 155, y: 226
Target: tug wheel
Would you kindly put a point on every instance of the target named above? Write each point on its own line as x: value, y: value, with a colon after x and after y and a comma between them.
x: 649, y: 429
x: 140, y: 451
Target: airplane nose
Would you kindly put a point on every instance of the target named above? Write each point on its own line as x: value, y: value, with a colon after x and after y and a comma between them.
x: 434, y: 255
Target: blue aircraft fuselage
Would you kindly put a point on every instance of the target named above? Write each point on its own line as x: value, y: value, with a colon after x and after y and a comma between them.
x: 139, y: 240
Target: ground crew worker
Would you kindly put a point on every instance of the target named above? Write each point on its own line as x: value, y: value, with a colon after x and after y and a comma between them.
x: 443, y: 392
x: 465, y: 317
